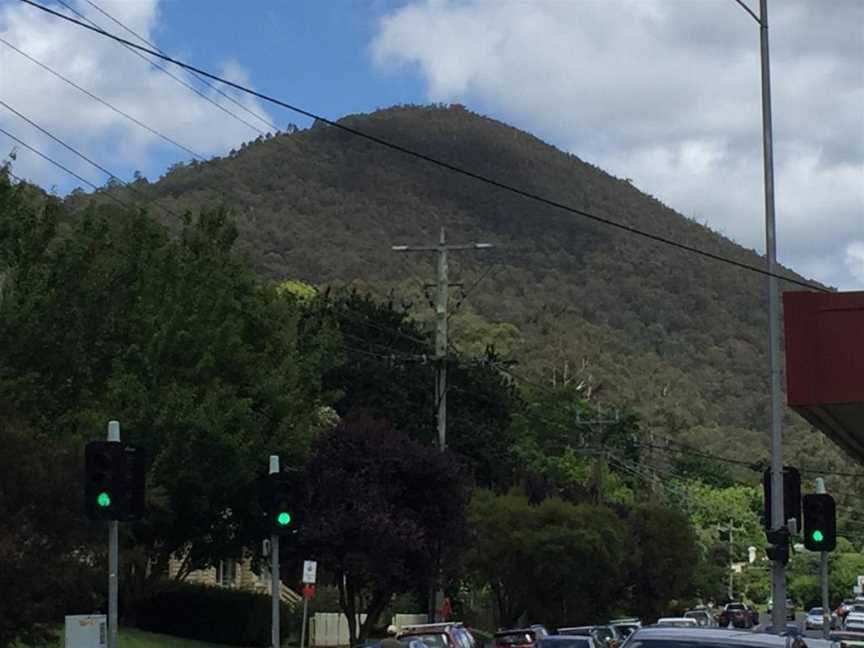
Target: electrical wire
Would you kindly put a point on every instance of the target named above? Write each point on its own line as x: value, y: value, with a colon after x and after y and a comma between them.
x: 201, y: 79
x: 60, y: 166
x: 84, y: 157
x: 439, y: 163
x: 135, y: 121
x: 165, y: 70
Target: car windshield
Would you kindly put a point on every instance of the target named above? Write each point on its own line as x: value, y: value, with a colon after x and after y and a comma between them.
x: 431, y: 640
x: 735, y: 606
x: 815, y: 611
x: 513, y: 638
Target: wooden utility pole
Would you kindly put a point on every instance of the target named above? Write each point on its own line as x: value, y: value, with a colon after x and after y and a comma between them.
x: 442, y: 286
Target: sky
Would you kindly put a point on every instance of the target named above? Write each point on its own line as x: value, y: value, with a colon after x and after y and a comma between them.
x: 665, y: 92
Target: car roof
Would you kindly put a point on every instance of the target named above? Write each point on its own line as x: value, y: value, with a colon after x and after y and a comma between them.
x: 673, y: 619
x: 706, y: 635
x: 431, y: 627
x: 554, y: 638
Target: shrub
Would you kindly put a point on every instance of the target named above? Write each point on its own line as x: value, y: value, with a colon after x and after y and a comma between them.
x: 212, y: 614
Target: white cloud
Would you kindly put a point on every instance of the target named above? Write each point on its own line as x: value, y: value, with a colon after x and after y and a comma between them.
x: 668, y: 93
x: 118, y: 76
x: 855, y: 260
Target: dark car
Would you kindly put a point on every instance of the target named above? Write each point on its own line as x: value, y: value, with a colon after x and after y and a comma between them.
x: 604, y: 636
x: 567, y: 641
x: 708, y: 638
x: 514, y: 638
x: 737, y: 615
x: 439, y: 635
x: 540, y: 631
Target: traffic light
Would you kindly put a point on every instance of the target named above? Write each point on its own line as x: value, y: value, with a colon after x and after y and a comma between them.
x: 791, y: 497
x: 281, y: 513
x: 113, y: 481
x: 778, y: 549
x: 103, y: 480
x: 820, y: 523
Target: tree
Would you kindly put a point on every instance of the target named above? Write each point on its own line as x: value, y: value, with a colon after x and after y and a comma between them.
x: 43, y: 539
x: 380, y: 510
x: 668, y: 556
x: 387, y: 370
x: 105, y: 316
x: 557, y: 561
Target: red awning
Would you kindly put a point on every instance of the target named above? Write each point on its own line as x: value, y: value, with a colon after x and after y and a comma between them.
x: 825, y: 363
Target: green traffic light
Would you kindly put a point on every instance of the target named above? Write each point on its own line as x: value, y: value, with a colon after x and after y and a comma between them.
x: 817, y: 536
x: 283, y: 519
x: 103, y: 499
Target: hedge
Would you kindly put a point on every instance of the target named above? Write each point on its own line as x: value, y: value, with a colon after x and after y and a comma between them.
x: 212, y: 614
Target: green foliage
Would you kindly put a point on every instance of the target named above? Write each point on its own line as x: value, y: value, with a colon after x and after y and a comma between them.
x: 43, y: 541
x: 213, y: 614
x: 105, y: 316
x: 381, y: 513
x: 563, y: 563
x: 386, y: 369
x: 667, y: 557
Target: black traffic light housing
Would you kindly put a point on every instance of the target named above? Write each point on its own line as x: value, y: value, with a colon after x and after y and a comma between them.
x: 778, y: 549
x: 113, y: 481
x: 282, y: 514
x: 820, y: 522
x: 791, y: 497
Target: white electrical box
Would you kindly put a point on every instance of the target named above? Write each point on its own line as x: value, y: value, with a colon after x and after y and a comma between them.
x: 86, y: 631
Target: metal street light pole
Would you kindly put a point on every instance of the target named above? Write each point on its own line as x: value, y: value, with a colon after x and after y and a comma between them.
x: 779, y: 569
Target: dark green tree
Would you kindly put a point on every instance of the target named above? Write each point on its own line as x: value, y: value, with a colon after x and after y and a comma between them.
x: 380, y: 511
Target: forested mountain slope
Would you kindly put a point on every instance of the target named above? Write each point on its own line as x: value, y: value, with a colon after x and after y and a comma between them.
x: 679, y: 337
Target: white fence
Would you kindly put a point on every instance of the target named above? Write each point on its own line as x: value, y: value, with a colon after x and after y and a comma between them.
x: 330, y: 629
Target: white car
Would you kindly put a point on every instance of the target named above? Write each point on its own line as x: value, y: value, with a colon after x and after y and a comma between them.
x: 854, y: 622
x: 676, y: 622
x: 814, y: 619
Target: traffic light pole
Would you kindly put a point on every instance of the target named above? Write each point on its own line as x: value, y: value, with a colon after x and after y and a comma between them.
x: 113, y: 556
x: 275, y: 582
x: 823, y: 575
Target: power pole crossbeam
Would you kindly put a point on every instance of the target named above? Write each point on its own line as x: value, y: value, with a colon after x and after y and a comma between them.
x: 442, y: 286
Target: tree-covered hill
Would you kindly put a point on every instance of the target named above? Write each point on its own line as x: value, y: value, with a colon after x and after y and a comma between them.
x: 679, y: 337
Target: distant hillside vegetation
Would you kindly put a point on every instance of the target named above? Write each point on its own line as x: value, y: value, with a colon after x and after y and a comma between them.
x: 680, y: 338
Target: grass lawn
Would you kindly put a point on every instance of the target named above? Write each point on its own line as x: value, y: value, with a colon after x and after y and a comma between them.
x: 134, y: 638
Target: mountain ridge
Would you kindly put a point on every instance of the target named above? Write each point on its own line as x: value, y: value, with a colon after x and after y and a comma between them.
x: 680, y: 338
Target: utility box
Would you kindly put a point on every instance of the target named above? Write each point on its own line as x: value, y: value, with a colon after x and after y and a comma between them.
x: 86, y: 631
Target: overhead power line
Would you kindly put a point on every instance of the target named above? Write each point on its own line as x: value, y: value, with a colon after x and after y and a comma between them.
x: 135, y: 121
x: 439, y: 163
x: 162, y: 68
x: 201, y: 79
x: 81, y: 155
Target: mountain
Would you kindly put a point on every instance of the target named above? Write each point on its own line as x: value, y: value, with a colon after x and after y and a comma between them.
x: 679, y: 337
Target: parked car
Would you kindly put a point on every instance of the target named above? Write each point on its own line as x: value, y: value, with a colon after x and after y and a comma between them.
x: 702, y: 617
x: 790, y: 609
x: 603, y: 636
x: 813, y: 621
x: 567, y: 641
x: 540, y: 631
x: 845, y: 639
x: 707, y: 638
x: 625, y: 627
x: 676, y: 622
x: 737, y: 615
x: 854, y: 622
x: 439, y: 635
x: 789, y: 630
x: 515, y: 638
